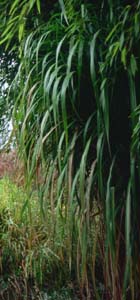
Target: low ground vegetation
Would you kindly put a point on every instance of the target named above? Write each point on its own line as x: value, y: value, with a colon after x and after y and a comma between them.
x: 33, y: 261
x: 29, y: 258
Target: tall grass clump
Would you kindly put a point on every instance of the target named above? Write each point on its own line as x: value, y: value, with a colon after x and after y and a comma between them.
x: 76, y: 121
x: 28, y: 256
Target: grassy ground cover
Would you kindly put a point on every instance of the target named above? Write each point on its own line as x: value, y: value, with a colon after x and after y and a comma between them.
x: 29, y: 262
x: 34, y: 262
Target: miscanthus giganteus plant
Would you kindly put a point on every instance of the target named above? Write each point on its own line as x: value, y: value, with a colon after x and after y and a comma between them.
x: 76, y: 118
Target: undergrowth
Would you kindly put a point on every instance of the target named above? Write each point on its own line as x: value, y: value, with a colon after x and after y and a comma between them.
x: 30, y: 261
x: 34, y: 262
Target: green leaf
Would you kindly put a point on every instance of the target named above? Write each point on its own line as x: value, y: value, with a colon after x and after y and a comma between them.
x: 133, y: 65
x: 21, y: 31
x: 38, y: 6
x: 110, y: 35
x: 123, y: 57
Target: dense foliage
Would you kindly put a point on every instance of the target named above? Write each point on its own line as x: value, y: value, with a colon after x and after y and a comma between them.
x: 76, y: 119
